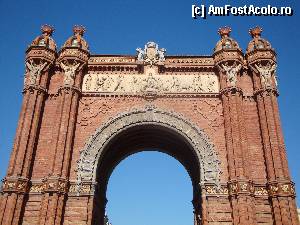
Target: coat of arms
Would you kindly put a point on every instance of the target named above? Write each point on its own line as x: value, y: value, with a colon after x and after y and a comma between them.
x: 151, y: 54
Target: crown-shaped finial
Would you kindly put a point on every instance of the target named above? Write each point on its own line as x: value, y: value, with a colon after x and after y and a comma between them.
x: 224, y: 31
x: 47, y: 29
x: 256, y: 31
x: 79, y: 29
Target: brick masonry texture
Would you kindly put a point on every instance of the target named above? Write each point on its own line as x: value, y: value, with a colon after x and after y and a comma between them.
x: 66, y: 99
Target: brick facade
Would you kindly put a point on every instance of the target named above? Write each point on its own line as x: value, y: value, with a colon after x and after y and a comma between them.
x: 69, y: 99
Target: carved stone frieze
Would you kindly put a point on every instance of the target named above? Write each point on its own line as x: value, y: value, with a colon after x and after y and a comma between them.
x: 237, y: 187
x: 15, y: 184
x: 37, y: 188
x: 281, y: 189
x: 111, y: 60
x: 93, y: 150
x: 55, y: 184
x: 213, y: 190
x: 133, y: 84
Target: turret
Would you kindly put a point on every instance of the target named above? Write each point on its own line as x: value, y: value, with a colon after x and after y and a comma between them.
x: 261, y: 59
x: 228, y: 59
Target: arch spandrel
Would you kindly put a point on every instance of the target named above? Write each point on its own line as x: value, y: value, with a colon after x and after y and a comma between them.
x: 92, y: 153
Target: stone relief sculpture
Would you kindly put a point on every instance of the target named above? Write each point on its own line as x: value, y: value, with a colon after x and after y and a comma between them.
x: 34, y: 71
x: 265, y: 72
x: 88, y: 82
x: 231, y: 72
x: 69, y: 72
x: 100, y: 83
x: 140, y: 54
x: 151, y: 83
x: 206, y: 83
x: 151, y: 53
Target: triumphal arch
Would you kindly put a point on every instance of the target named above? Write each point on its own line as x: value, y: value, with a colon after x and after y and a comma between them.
x: 84, y: 113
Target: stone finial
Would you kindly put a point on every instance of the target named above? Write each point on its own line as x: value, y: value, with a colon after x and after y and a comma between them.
x: 77, y: 40
x: 257, y: 41
x: 226, y: 42
x: 45, y: 39
x: 255, y: 32
x: 224, y: 31
x: 47, y: 29
x: 79, y: 30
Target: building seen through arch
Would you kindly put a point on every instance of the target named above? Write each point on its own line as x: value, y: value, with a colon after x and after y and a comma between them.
x: 84, y: 113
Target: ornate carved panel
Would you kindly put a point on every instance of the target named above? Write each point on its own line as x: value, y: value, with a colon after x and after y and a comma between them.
x: 90, y: 155
x: 104, y: 83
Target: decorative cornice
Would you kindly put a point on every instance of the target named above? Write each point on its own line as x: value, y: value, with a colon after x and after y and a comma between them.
x: 73, y: 53
x: 228, y: 55
x: 40, y: 52
x: 260, y: 55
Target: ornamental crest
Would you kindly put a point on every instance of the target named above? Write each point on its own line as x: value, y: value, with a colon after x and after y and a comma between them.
x: 151, y: 54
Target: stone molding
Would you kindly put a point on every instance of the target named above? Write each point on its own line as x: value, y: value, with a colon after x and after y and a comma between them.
x: 93, y: 150
x: 211, y: 190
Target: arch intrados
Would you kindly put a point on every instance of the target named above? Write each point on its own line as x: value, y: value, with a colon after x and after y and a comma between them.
x: 126, y: 143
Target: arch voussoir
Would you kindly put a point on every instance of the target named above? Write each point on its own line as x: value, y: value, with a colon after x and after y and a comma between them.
x: 198, y: 140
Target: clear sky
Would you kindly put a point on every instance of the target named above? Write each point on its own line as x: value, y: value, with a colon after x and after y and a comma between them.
x: 118, y: 27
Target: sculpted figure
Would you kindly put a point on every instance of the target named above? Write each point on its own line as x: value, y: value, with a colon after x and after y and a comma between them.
x: 100, y: 83
x: 161, y: 54
x: 198, y: 84
x: 266, y: 73
x: 88, y: 83
x: 151, y: 83
x: 69, y: 72
x: 151, y: 53
x: 119, y: 86
x: 141, y: 54
x: 34, y: 71
x: 231, y: 72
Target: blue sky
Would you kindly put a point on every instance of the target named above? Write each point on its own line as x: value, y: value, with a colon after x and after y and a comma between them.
x: 119, y: 27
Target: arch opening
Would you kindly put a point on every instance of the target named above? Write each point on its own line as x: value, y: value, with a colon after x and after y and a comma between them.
x: 139, y: 130
x: 149, y: 187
